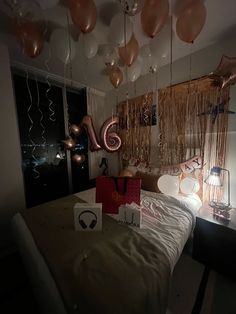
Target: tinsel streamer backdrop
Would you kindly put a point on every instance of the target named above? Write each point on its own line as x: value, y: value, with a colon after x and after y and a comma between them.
x: 135, y: 127
x: 190, y: 123
x: 33, y: 144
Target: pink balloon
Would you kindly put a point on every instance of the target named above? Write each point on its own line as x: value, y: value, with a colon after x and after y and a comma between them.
x: 111, y: 142
x: 154, y: 15
x: 87, y: 123
x: 191, y: 21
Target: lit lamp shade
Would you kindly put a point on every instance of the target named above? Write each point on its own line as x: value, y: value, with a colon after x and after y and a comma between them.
x: 214, y: 177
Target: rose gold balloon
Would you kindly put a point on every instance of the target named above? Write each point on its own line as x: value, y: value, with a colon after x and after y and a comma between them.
x: 116, y: 76
x: 87, y: 123
x: 191, y: 21
x: 78, y: 158
x: 225, y: 72
x: 126, y: 173
x: 83, y: 14
x: 69, y: 143
x: 154, y: 15
x: 75, y: 129
x: 30, y: 37
x: 129, y: 52
x: 111, y: 142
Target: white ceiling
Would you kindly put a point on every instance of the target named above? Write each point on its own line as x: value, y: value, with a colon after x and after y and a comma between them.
x: 220, y: 23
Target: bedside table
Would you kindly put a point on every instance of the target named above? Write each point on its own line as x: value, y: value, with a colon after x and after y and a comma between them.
x: 214, y: 241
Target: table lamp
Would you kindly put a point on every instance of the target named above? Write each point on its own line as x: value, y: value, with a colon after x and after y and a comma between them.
x: 215, y: 179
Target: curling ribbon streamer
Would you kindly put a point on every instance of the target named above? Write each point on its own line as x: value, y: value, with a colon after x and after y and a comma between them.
x: 52, y: 115
x: 36, y: 172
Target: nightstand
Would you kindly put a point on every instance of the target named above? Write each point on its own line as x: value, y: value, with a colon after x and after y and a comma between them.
x: 214, y: 241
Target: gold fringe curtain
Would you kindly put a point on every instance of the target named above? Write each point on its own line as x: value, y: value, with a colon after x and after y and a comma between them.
x: 135, y: 119
x: 193, y: 120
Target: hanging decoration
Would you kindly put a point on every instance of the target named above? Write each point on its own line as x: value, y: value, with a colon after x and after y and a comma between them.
x: 29, y: 36
x: 87, y: 123
x: 129, y: 52
x: 83, y: 14
x: 110, y: 141
x: 154, y: 15
x: 225, y: 73
x: 135, y: 120
x: 36, y: 173
x: 191, y: 21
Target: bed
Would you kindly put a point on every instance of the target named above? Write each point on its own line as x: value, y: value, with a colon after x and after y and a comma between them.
x: 122, y: 269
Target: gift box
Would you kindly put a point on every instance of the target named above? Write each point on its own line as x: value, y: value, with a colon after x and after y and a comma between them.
x: 130, y: 214
x: 115, y: 191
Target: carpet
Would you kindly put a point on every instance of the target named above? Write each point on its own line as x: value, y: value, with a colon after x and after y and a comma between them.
x: 219, y: 296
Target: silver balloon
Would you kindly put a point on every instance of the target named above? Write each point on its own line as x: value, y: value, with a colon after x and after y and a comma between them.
x: 131, y: 7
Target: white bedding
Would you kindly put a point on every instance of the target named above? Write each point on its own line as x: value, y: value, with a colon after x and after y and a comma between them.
x: 167, y: 224
x: 170, y: 226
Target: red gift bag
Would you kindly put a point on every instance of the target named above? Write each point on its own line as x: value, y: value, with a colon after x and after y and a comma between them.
x: 114, y: 191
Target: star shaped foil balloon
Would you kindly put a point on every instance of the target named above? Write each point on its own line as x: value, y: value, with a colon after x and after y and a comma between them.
x: 225, y: 73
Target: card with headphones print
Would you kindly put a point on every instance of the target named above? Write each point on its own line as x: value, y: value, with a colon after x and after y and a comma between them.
x: 88, y: 216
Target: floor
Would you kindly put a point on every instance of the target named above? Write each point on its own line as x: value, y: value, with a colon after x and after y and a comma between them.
x: 220, y: 295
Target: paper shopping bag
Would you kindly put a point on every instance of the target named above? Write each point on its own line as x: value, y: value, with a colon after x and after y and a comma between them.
x: 115, y: 191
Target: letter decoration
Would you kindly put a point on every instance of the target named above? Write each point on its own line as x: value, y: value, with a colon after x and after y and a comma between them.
x: 110, y: 141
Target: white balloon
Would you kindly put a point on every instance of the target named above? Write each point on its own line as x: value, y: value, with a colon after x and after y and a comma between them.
x: 120, y: 29
x: 189, y: 185
x: 134, y: 71
x: 46, y: 4
x: 90, y: 45
x: 168, y: 184
x: 62, y: 45
x: 109, y: 54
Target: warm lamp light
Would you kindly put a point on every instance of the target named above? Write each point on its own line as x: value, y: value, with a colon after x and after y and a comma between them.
x: 215, y: 179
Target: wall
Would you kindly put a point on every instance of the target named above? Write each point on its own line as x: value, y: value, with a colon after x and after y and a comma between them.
x: 202, y: 63
x: 11, y: 179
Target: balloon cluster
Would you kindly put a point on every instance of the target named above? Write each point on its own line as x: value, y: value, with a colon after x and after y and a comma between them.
x: 125, y: 33
x: 110, y: 141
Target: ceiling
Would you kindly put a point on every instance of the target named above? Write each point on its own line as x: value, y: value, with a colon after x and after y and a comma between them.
x: 220, y: 23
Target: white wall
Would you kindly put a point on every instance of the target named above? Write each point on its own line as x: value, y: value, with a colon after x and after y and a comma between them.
x: 11, y: 178
x: 202, y: 63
